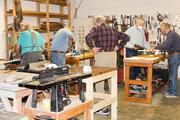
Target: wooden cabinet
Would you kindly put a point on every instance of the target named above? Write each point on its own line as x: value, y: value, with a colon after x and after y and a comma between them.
x: 47, y: 15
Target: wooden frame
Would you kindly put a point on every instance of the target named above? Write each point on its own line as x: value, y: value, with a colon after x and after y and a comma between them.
x: 16, y: 94
x: 99, y: 75
x: 37, y: 14
x: 75, y: 60
x: 143, y: 61
x: 69, y: 112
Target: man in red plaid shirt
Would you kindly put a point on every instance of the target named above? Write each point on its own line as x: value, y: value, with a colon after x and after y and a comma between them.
x: 105, y: 38
x: 105, y: 41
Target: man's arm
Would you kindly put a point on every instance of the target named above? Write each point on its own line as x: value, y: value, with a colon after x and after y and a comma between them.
x: 167, y: 44
x: 145, y: 43
x: 129, y: 44
x: 122, y: 39
x: 90, y: 37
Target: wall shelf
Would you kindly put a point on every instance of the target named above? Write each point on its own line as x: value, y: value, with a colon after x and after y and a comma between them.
x: 39, y: 14
x: 61, y: 15
x: 55, y: 2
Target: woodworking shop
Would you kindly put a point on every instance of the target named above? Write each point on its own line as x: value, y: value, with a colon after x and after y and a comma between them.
x: 89, y: 60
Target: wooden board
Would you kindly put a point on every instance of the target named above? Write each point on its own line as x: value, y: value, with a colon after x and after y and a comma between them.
x: 72, y: 110
x: 13, y: 77
x: 143, y: 59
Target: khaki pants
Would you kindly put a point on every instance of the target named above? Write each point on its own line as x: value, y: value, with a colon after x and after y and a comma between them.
x: 105, y: 59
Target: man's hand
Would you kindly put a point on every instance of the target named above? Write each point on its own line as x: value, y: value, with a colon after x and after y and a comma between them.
x: 137, y: 47
x: 116, y: 48
x: 96, y: 49
x: 151, y: 49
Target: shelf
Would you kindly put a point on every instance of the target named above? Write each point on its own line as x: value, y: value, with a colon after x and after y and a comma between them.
x: 37, y: 29
x: 136, y: 92
x: 51, y: 2
x: 137, y: 82
x: 40, y: 14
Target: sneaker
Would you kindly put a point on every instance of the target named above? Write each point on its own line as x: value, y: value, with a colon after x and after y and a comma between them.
x: 142, y: 77
x: 104, y: 111
x: 166, y: 93
x: 171, y: 96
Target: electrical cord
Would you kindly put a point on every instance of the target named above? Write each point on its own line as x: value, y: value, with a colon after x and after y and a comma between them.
x: 76, y: 9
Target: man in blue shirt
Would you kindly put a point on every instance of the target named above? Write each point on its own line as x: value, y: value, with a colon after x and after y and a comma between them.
x: 31, y: 45
x: 172, y: 46
x: 59, y: 46
x: 137, y: 42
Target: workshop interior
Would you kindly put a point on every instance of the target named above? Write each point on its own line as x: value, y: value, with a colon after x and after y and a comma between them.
x: 89, y: 60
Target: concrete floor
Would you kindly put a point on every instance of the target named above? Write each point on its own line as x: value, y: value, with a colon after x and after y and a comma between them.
x: 161, y: 109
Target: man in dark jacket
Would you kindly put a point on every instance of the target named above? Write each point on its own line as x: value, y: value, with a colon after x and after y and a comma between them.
x: 172, y: 46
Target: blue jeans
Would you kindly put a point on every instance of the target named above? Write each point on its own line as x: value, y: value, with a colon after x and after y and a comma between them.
x: 174, y: 62
x: 134, y: 71
x: 58, y: 58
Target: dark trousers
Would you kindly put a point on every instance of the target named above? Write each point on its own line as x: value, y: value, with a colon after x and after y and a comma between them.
x: 174, y: 62
x: 30, y: 57
x: 134, y: 71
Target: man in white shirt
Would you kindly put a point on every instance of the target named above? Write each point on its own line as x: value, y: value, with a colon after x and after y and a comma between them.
x: 137, y: 42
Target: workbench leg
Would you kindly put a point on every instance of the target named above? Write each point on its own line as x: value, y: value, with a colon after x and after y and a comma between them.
x: 89, y: 94
x: 77, y: 64
x: 127, y: 74
x: 114, y: 94
x: 87, y: 115
x: 29, y: 100
x: 149, y: 86
x: 92, y: 114
x: 56, y: 99
x: 30, y: 118
x: 6, y: 103
x: 92, y: 61
x: 17, y: 105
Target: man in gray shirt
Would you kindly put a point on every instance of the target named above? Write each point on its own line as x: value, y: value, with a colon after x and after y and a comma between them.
x: 172, y: 46
x: 59, y: 46
x: 137, y: 42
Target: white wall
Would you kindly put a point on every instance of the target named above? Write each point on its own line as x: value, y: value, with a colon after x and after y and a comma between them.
x: 109, y: 7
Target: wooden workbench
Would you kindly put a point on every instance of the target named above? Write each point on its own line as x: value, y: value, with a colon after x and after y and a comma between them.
x: 75, y: 60
x: 140, y: 61
x: 72, y: 110
x: 11, y: 90
x: 99, y: 74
